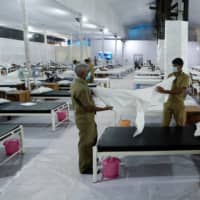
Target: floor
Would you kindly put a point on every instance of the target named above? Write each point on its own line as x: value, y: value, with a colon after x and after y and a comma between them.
x: 49, y: 170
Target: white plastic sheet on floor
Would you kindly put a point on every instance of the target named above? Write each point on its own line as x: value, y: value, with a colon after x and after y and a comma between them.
x: 53, y: 175
x: 134, y: 102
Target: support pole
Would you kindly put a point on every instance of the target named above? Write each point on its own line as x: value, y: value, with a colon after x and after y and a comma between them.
x: 123, y: 52
x: 81, y: 40
x: 115, y: 50
x: 102, y: 47
x: 46, y: 48
x: 26, y: 41
x: 71, y: 48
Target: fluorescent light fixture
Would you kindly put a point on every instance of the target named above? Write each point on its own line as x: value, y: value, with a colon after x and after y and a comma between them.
x: 60, y: 12
x: 84, y: 19
x: 90, y: 26
x: 30, y: 35
x: 106, y: 30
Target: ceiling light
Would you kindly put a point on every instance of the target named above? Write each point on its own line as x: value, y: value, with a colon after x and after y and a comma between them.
x: 92, y: 26
x: 84, y: 19
x: 59, y: 11
x: 30, y: 35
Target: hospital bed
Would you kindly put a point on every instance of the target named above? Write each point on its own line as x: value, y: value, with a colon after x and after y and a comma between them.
x: 67, y: 86
x: 118, y: 72
x: 147, y: 73
x: 53, y: 95
x: 119, y: 142
x: 35, y: 109
x: 146, y: 82
x: 8, y: 132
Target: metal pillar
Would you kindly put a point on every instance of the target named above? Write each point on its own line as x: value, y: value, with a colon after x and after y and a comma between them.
x: 26, y: 41
x: 115, y: 49
x: 123, y: 51
x: 46, y: 48
x: 71, y: 48
x: 102, y: 45
x: 81, y: 40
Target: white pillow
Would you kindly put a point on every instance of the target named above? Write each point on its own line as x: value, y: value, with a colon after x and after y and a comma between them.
x: 4, y: 100
x: 41, y: 90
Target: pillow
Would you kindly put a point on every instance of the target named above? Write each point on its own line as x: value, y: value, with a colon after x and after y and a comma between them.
x: 41, y: 90
x: 4, y: 100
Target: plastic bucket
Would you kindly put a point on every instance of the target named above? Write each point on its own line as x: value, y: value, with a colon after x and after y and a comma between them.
x: 125, y: 123
x: 11, y: 146
x: 61, y: 116
x: 111, y: 168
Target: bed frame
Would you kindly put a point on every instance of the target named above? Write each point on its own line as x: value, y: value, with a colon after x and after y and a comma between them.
x: 8, y: 132
x: 59, y: 106
x: 119, y: 142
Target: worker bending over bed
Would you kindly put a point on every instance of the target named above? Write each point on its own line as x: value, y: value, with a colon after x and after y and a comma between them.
x: 175, y: 104
x: 85, y: 111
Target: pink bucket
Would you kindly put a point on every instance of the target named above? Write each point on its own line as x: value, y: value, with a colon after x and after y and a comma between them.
x: 111, y: 168
x: 62, y: 115
x: 11, y: 146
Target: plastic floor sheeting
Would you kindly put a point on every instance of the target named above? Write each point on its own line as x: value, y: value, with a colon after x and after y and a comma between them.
x: 53, y: 174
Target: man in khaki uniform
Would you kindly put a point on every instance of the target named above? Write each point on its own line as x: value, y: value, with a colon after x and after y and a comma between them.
x: 175, y: 103
x: 85, y: 111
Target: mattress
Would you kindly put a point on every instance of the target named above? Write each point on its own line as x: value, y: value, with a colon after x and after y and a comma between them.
x: 6, y: 129
x: 54, y: 93
x: 39, y: 107
x: 115, y: 139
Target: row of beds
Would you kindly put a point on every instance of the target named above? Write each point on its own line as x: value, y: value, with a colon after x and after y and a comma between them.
x: 115, y: 141
x: 38, y: 108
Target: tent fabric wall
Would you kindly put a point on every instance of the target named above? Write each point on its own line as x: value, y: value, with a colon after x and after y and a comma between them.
x: 109, y: 45
x: 12, y: 51
x: 62, y: 54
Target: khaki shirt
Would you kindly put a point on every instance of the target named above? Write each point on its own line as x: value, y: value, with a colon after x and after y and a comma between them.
x: 81, y: 95
x: 181, y: 81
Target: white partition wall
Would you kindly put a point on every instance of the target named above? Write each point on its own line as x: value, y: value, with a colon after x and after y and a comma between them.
x: 176, y: 43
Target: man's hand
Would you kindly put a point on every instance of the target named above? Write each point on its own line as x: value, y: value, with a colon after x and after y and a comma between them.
x: 108, y: 108
x: 160, y: 89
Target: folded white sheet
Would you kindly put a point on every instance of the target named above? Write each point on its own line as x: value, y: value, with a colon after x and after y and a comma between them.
x: 41, y: 90
x: 4, y: 100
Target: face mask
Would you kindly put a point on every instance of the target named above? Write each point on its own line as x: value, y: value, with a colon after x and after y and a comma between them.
x: 174, y: 69
x: 88, y: 77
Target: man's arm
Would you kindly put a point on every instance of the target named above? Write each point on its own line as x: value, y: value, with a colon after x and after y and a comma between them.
x: 172, y: 92
x: 89, y: 108
x: 83, y: 100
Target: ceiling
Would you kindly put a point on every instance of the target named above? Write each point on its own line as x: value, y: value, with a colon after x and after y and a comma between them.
x: 133, y: 12
x: 50, y: 15
x: 44, y: 15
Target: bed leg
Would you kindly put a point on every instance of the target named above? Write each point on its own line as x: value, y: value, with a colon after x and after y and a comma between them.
x: 53, y: 120
x: 94, y: 164
x: 21, y: 135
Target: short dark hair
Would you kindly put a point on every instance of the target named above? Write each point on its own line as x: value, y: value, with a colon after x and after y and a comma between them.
x: 178, y: 61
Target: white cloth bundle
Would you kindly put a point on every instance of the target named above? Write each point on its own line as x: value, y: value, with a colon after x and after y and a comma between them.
x: 4, y: 100
x: 134, y: 102
x: 41, y: 90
